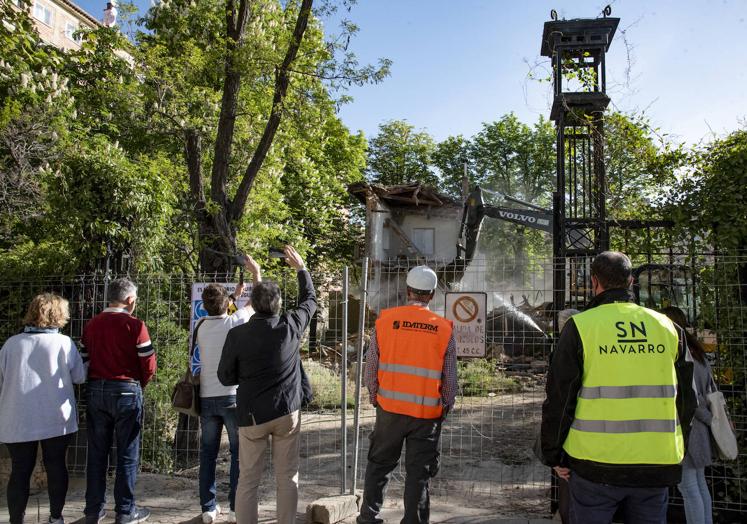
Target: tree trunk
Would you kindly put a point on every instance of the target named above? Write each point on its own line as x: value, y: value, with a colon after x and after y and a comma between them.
x: 218, y: 244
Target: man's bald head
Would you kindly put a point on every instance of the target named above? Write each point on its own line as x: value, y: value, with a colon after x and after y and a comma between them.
x: 612, y: 270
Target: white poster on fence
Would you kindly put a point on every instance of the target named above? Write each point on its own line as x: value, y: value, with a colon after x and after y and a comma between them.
x: 468, y: 312
x: 198, y: 311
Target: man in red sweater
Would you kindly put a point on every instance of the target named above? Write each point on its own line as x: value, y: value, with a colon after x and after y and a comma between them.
x: 121, y: 361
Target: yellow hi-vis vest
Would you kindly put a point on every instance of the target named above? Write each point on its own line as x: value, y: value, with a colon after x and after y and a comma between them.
x: 626, y: 411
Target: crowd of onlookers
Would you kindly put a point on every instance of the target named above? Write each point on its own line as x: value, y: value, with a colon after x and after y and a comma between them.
x: 251, y: 382
x: 618, y: 426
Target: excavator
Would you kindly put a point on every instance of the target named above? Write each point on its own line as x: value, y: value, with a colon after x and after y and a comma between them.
x: 524, y: 330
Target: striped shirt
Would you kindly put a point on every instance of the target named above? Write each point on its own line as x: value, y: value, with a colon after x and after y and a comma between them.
x: 449, y: 385
x: 117, y: 346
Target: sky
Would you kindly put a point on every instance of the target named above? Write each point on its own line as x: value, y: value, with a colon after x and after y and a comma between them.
x: 460, y: 63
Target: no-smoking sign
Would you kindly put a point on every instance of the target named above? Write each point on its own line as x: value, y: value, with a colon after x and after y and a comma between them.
x: 467, y: 311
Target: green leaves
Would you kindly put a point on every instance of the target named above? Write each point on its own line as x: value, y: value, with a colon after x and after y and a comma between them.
x: 709, y: 201
x: 278, y: 134
x: 399, y: 154
x: 103, y: 203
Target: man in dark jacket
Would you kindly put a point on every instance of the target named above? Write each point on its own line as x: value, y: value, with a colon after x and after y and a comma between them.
x: 262, y: 357
x: 619, y: 403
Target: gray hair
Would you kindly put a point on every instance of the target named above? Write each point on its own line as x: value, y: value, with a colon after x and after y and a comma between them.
x: 120, y: 289
x: 266, y: 298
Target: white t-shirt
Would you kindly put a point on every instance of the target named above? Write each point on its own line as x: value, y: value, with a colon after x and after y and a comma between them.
x: 210, y: 339
x: 110, y: 17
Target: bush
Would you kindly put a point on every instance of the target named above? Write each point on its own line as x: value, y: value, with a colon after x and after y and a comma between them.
x: 478, y: 377
x: 325, y: 383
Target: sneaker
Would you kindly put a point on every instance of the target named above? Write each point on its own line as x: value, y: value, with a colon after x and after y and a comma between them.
x: 58, y: 520
x: 208, y: 517
x: 96, y: 519
x: 232, y: 516
x: 137, y: 515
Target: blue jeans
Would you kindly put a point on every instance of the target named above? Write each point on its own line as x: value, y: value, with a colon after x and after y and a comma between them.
x: 216, y: 412
x: 696, y: 496
x: 593, y: 503
x: 114, y: 410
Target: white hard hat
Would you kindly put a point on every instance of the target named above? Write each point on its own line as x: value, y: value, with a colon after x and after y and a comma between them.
x: 422, y: 278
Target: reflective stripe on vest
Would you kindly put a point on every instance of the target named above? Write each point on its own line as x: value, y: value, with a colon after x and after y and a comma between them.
x: 410, y: 370
x: 628, y: 392
x: 412, y: 344
x: 625, y: 426
x: 408, y: 397
x: 626, y: 409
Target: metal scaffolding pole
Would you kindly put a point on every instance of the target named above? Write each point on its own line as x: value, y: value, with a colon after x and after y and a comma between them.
x: 344, y: 386
x: 359, y: 373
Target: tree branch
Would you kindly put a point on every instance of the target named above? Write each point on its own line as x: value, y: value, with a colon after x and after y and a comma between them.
x: 273, y: 122
x: 193, y: 152
x: 235, y: 24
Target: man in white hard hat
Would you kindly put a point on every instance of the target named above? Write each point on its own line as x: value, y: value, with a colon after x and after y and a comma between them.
x: 411, y: 378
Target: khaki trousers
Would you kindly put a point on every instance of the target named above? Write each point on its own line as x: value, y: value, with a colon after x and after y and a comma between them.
x: 286, y: 444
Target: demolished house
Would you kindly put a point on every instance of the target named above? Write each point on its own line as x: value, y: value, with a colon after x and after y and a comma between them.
x: 412, y: 224
x: 409, y: 221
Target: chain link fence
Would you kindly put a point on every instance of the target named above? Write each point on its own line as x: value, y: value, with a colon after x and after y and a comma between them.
x: 487, y: 457
x: 170, y: 443
x: 487, y: 441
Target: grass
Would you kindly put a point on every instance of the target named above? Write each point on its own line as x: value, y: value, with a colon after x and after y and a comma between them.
x: 325, y: 383
x: 478, y: 377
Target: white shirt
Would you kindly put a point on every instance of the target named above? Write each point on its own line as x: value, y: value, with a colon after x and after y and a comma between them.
x: 37, y: 371
x: 110, y: 17
x: 210, y: 339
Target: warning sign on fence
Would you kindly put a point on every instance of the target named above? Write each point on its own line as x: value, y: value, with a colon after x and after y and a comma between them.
x: 468, y: 311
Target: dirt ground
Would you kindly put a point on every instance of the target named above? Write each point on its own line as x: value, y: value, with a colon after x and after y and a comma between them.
x: 173, y: 500
x: 487, y: 468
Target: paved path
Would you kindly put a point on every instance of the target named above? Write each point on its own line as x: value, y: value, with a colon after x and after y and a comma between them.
x: 173, y: 500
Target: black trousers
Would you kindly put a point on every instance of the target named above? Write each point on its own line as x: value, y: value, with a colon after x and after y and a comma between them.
x: 23, y: 460
x: 421, y: 463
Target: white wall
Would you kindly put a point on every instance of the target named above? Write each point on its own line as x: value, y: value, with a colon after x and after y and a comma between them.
x: 446, y: 225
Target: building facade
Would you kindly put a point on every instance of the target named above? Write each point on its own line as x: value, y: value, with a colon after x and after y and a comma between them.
x: 58, y: 20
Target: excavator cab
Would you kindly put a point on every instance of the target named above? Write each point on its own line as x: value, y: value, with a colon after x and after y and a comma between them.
x: 657, y: 286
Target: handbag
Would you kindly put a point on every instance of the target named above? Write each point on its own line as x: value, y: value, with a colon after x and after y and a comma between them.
x: 185, y: 397
x: 721, y: 428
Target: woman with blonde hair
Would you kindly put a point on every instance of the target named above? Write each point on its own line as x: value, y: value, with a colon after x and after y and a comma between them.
x: 38, y: 368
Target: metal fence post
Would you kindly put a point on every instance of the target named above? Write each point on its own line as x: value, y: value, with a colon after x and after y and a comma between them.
x: 359, y: 373
x: 344, y: 388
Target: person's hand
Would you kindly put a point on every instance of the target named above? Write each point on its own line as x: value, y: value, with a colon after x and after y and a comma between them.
x: 564, y: 473
x: 251, y: 265
x: 238, y: 291
x: 293, y: 258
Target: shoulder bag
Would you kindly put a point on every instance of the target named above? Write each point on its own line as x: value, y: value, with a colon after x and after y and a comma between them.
x: 721, y: 428
x: 185, y: 397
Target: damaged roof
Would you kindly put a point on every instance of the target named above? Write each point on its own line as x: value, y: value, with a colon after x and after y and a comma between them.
x: 412, y: 194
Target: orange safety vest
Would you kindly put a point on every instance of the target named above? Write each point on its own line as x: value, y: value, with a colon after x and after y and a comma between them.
x: 412, y: 345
